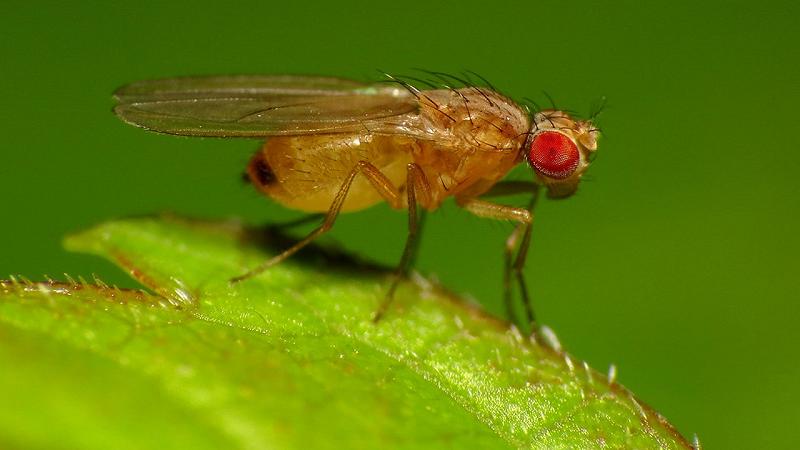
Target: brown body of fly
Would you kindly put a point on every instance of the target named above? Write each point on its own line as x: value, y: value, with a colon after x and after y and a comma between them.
x: 335, y: 145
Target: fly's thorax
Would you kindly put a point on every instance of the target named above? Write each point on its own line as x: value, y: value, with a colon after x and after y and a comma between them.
x: 559, y: 149
x: 475, y: 117
x: 477, y: 135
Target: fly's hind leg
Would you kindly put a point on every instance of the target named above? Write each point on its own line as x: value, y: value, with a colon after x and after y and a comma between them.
x: 520, y: 237
x: 378, y: 180
x: 296, y: 222
x: 419, y: 191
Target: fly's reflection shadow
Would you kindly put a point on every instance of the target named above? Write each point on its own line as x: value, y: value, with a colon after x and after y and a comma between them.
x: 273, y: 238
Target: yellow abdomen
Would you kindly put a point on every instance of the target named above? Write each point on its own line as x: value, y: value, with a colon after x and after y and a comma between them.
x: 306, y: 172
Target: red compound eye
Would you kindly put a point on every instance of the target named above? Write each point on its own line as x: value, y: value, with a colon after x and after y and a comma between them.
x: 554, y: 155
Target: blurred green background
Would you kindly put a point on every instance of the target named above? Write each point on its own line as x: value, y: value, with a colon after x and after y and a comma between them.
x: 677, y: 260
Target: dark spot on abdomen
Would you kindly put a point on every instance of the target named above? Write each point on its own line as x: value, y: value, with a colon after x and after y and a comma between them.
x: 260, y: 172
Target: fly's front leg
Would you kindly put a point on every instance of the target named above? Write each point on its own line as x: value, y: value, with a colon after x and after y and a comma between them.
x: 520, y: 238
x: 521, y: 235
x: 419, y: 191
x: 378, y: 180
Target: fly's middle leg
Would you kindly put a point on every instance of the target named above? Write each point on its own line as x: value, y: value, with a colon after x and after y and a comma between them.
x: 520, y: 238
x: 419, y: 191
x: 378, y: 180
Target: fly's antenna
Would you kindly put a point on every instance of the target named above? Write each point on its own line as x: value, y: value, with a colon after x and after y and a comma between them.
x: 597, y: 107
x: 390, y: 79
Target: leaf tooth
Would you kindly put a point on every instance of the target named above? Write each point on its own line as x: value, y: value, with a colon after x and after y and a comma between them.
x: 612, y: 374
x: 181, y: 293
x: 588, y: 370
x: 459, y: 323
x: 514, y: 335
x: 99, y: 282
x: 638, y: 405
x: 44, y: 289
x: 569, y: 363
x: 550, y: 338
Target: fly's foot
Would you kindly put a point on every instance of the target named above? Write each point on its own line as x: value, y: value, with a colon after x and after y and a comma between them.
x: 256, y: 271
x: 387, y: 301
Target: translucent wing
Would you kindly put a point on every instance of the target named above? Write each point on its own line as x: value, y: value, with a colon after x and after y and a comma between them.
x: 264, y: 105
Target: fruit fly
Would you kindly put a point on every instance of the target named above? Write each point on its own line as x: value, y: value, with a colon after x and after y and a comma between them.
x: 335, y: 145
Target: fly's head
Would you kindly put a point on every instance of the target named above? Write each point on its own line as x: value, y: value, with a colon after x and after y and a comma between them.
x: 559, y: 149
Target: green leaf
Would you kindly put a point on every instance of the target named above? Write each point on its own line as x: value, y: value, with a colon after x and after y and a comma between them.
x: 289, y: 359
